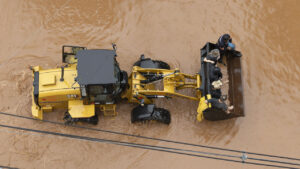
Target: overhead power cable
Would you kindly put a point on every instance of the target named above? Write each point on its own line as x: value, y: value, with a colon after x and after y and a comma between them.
x: 158, y: 139
x: 6, y: 167
x: 142, y: 146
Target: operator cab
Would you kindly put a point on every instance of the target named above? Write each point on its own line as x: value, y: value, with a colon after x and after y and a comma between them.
x: 99, y: 76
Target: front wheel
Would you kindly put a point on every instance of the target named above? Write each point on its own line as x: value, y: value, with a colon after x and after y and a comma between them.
x: 153, y: 64
x: 150, y: 112
x: 162, y: 65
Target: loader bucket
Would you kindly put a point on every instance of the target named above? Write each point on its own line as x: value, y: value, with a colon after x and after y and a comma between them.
x: 235, y: 93
x: 234, y: 69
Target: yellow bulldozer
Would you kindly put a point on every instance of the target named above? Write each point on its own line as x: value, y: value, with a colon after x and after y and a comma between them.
x: 91, y: 80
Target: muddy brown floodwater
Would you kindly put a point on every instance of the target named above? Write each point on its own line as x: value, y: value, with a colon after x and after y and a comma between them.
x: 266, y: 31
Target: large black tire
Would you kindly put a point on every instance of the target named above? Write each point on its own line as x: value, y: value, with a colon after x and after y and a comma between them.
x: 142, y: 113
x: 150, y: 112
x: 70, y: 121
x: 67, y: 118
x: 154, y: 64
x: 162, y: 115
x: 92, y: 120
x: 162, y: 65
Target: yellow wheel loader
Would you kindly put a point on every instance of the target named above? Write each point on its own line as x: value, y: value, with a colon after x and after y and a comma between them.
x: 91, y: 80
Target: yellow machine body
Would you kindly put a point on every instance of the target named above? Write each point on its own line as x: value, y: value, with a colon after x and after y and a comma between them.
x: 59, y: 88
x: 173, y: 81
x: 57, y: 94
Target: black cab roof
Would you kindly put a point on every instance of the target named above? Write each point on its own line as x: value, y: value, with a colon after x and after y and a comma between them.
x: 96, y: 66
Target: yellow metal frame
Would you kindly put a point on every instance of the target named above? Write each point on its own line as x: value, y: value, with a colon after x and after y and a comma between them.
x: 109, y: 109
x: 77, y: 109
x: 173, y: 81
x: 54, y: 93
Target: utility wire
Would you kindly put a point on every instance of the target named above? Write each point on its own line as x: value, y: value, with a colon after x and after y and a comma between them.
x: 7, y: 167
x: 153, y: 146
x: 142, y: 146
x: 217, y: 154
x: 273, y: 161
x: 163, y: 140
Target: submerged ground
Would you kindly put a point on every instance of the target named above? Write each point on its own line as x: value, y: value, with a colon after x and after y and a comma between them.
x: 266, y: 31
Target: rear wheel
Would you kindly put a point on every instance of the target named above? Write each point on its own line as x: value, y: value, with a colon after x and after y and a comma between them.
x: 69, y: 120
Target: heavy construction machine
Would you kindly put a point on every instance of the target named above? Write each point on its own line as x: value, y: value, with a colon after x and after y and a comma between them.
x: 91, y: 81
